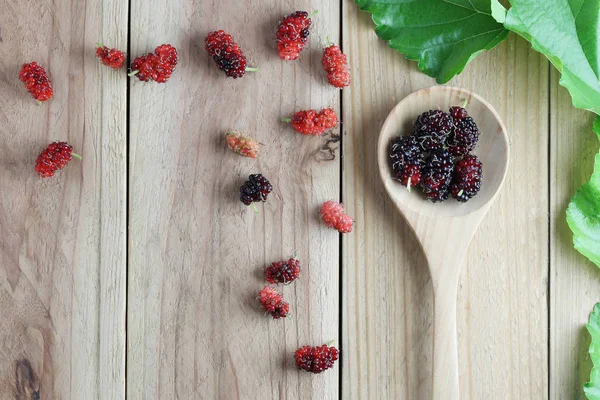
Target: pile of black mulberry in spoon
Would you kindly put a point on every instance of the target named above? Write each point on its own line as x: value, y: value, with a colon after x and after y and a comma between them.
x: 437, y: 156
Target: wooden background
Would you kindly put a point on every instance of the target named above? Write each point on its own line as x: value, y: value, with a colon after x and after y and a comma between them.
x: 134, y: 273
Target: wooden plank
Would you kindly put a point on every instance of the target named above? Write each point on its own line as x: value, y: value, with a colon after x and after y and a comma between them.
x: 575, y: 282
x: 62, y: 239
x: 387, y: 294
x: 196, y: 253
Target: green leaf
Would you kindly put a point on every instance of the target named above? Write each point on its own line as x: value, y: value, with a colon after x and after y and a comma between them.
x: 567, y: 32
x: 498, y: 11
x: 592, y: 388
x: 443, y: 35
x: 583, y: 213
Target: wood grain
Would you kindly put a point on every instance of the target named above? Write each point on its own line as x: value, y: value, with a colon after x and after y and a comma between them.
x: 387, y: 293
x: 62, y: 240
x: 575, y: 282
x: 196, y: 255
x: 195, y: 329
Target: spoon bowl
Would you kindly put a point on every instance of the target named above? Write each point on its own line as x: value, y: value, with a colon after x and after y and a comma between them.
x: 445, y: 230
x: 492, y: 149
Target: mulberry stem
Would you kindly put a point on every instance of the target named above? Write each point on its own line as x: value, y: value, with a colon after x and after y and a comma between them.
x: 252, y: 69
x: 286, y: 120
x: 133, y: 73
x: 77, y: 156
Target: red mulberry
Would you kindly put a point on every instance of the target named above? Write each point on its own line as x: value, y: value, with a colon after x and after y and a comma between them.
x: 255, y: 189
x: 316, y: 359
x: 242, y: 145
x: 311, y: 122
x: 36, y: 81
x: 334, y: 216
x: 458, y: 112
x: 110, y: 57
x: 292, y: 33
x: 227, y: 54
x: 432, y: 129
x: 272, y: 302
x: 335, y: 63
x: 467, y: 178
x: 464, y: 136
x: 157, y: 66
x: 283, y: 271
x: 407, y: 162
x: 437, y: 174
x: 56, y: 156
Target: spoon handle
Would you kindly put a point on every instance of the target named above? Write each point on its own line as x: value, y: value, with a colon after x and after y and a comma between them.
x: 445, y: 348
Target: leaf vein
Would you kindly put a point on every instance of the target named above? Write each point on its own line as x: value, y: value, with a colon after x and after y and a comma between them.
x: 441, y: 23
x: 459, y: 41
x: 460, y: 5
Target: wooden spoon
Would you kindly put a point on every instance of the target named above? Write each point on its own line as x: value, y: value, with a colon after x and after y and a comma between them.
x: 446, y: 229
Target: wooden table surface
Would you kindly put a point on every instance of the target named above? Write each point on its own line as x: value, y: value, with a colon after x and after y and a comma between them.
x: 135, y: 272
